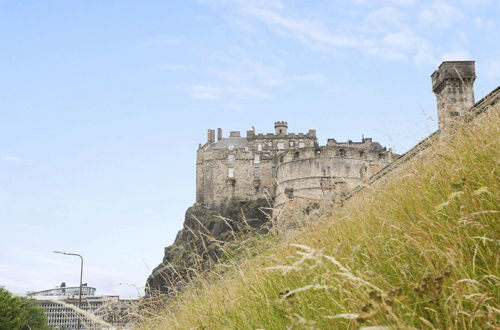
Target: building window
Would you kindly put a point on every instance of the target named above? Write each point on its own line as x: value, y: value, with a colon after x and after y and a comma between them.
x: 381, y: 156
x: 230, y: 172
x: 259, y: 147
x: 231, y: 147
x: 273, y: 172
x: 246, y: 149
x: 281, y: 146
x: 265, y: 190
x: 256, y: 159
x: 296, y: 155
x: 256, y: 172
x: 230, y: 159
x: 302, y: 144
x: 361, y: 154
x: 341, y: 152
x: 292, y: 144
x: 289, y: 193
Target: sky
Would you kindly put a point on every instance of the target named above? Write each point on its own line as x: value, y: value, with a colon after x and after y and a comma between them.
x: 103, y: 105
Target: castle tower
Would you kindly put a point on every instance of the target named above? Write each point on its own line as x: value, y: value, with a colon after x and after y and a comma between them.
x: 281, y: 128
x: 452, y: 83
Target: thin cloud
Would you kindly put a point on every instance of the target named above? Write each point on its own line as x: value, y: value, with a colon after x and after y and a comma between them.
x: 10, y: 158
x: 440, y: 15
x: 457, y: 55
x: 204, y: 92
x: 175, y: 67
x: 380, y: 28
x: 160, y: 41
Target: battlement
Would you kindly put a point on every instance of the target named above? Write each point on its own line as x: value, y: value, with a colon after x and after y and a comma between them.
x: 463, y: 71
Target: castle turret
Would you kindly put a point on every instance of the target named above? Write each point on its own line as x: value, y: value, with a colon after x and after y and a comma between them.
x: 452, y: 83
x: 281, y: 127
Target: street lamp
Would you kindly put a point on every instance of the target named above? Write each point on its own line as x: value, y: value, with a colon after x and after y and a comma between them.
x: 81, y: 276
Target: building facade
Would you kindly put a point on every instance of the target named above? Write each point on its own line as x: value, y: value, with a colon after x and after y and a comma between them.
x: 61, y: 306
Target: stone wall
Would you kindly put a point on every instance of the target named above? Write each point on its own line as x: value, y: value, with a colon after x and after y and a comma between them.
x: 243, y: 167
x: 328, y: 173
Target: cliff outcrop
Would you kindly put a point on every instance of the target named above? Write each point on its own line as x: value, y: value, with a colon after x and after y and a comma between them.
x: 207, y: 232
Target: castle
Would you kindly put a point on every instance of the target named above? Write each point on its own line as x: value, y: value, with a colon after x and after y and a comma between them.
x: 284, y: 165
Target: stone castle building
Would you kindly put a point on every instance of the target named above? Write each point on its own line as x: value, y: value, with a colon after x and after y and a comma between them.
x: 283, y: 166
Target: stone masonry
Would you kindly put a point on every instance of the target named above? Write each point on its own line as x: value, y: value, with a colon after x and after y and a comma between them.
x: 282, y: 165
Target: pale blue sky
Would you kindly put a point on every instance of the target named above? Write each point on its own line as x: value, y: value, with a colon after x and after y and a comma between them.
x: 103, y: 104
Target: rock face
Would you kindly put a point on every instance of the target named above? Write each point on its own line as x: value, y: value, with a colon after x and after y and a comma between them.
x: 200, y: 242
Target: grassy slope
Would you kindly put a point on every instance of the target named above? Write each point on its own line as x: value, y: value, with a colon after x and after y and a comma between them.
x: 420, y: 250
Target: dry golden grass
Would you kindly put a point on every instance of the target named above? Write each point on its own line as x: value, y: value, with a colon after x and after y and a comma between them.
x: 420, y: 249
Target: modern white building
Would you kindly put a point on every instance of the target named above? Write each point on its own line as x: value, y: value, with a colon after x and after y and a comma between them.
x: 96, y: 312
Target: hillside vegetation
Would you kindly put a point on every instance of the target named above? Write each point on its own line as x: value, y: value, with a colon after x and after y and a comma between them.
x: 418, y: 250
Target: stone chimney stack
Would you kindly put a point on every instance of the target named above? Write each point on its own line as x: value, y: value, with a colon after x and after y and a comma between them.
x: 281, y: 128
x: 250, y: 132
x: 219, y: 134
x: 452, y: 83
x: 211, y: 136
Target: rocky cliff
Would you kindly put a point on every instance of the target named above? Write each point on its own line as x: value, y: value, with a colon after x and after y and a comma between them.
x: 200, y: 243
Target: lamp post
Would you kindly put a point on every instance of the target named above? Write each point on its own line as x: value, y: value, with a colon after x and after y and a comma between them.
x: 81, y: 276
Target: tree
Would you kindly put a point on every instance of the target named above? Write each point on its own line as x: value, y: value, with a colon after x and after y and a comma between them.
x: 18, y: 313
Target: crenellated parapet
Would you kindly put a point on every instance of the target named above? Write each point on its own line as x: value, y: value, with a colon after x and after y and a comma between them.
x: 328, y: 172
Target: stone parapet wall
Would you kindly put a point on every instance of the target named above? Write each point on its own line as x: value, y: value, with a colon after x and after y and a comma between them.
x: 326, y: 173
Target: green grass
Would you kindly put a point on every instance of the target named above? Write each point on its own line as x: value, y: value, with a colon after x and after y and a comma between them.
x: 418, y: 250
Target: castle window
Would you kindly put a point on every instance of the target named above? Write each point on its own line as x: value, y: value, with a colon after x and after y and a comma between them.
x: 256, y: 160
x: 292, y: 144
x: 381, y: 155
x: 302, y: 144
x: 230, y: 159
x: 256, y: 172
x: 273, y: 172
x: 230, y: 172
x: 296, y: 155
x: 246, y: 149
x: 281, y: 131
x: 341, y: 152
x: 289, y: 192
x: 259, y: 147
x: 281, y: 146
x: 231, y: 147
x: 362, y: 154
x: 265, y: 190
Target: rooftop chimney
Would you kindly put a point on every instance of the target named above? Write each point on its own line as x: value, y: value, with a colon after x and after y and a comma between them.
x: 211, y: 136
